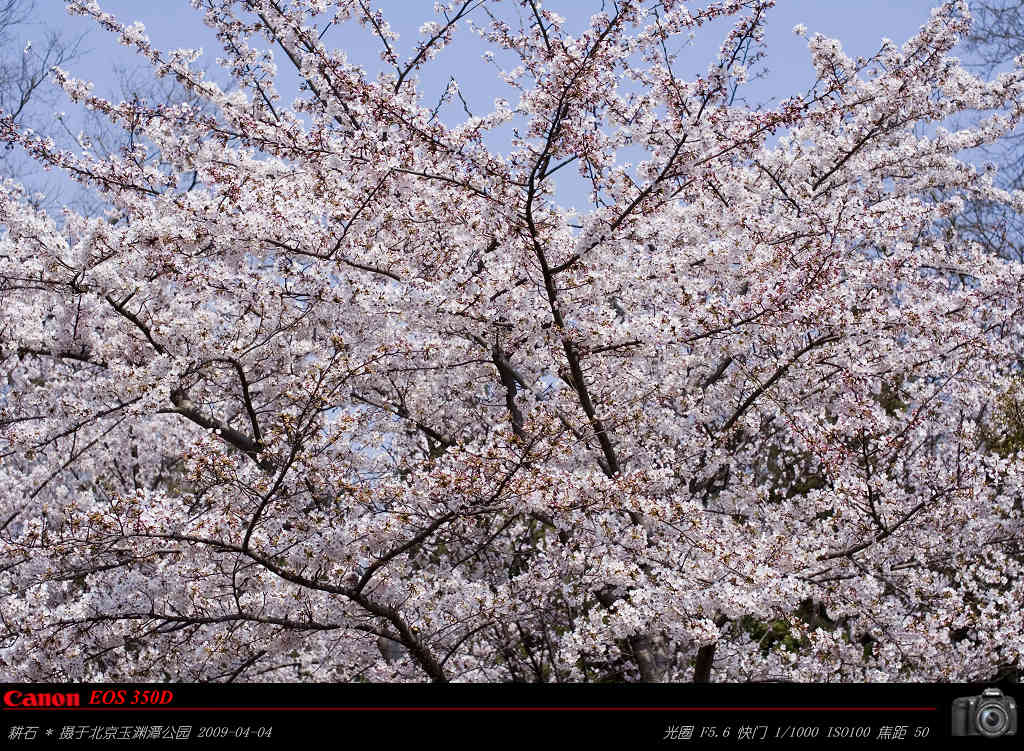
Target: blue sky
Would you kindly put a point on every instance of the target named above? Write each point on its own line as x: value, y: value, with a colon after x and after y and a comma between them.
x: 858, y: 24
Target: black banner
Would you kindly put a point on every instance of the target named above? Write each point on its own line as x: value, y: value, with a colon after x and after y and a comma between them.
x: 642, y: 716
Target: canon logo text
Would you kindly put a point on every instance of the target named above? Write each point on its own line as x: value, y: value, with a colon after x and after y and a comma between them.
x: 20, y: 699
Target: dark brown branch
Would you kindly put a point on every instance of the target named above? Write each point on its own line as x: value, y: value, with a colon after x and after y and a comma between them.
x: 612, y: 347
x: 128, y: 315
x: 775, y: 377
x: 427, y: 430
x: 183, y: 406
x: 719, y: 372
x: 704, y: 663
x: 331, y: 257
x: 540, y: 25
x: 246, y: 398
x: 510, y: 379
x: 846, y: 157
x: 74, y: 457
x: 459, y: 14
x: 83, y: 356
x: 298, y: 67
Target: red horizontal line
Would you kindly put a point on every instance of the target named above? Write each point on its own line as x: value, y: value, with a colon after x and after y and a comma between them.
x: 476, y: 709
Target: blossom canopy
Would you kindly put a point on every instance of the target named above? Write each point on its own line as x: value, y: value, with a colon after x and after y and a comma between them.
x: 338, y: 390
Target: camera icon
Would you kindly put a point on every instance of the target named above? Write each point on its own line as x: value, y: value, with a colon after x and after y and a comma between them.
x: 992, y: 714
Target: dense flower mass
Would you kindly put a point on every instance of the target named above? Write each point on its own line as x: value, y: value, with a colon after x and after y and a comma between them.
x: 337, y: 390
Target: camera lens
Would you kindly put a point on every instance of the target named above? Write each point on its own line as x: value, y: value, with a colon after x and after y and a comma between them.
x: 992, y: 719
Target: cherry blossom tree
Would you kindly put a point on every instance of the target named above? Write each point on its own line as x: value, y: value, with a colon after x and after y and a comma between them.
x: 336, y: 390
